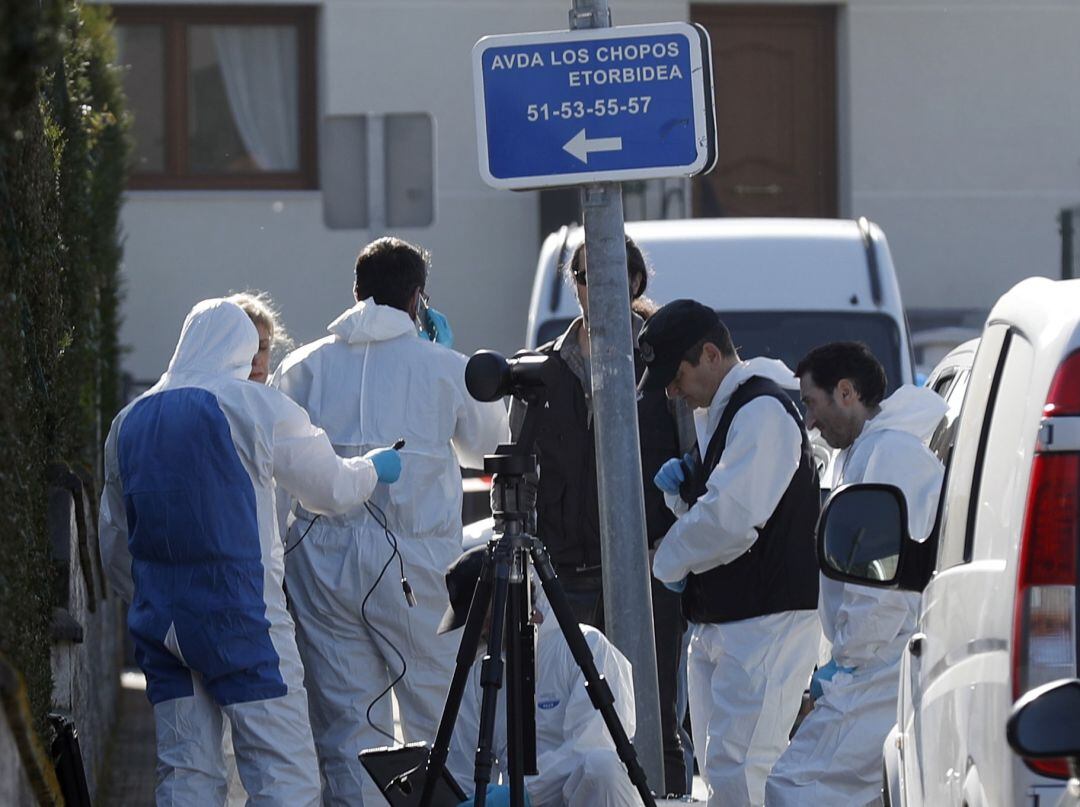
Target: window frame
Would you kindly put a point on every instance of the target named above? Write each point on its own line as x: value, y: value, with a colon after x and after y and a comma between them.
x: 175, y: 20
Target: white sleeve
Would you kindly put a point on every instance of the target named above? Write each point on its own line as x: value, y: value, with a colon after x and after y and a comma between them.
x: 479, y: 429
x: 675, y: 503
x: 112, y: 524
x: 762, y: 453
x: 869, y: 619
x: 306, y: 466
x: 583, y: 727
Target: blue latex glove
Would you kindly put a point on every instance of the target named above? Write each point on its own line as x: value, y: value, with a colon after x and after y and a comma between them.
x: 440, y: 328
x: 497, y: 796
x: 670, y: 476
x: 825, y: 673
x: 679, y: 586
x: 387, y: 464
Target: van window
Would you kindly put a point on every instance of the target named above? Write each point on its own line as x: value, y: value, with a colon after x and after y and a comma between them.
x: 967, y: 454
x: 790, y: 335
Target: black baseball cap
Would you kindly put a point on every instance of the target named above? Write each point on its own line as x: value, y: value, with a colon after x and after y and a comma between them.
x: 668, y: 335
x: 461, y: 578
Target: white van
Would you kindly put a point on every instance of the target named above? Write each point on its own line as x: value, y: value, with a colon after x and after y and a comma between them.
x: 999, y: 572
x: 782, y: 286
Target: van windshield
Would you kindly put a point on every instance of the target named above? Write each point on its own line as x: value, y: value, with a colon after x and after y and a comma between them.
x: 790, y: 335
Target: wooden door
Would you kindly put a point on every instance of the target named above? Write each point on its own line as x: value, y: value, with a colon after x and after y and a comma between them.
x: 774, y: 76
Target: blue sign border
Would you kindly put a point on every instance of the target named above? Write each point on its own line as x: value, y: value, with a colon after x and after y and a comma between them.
x: 695, y: 154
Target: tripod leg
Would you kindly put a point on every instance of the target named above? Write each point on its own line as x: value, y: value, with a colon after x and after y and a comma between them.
x: 599, y: 691
x: 521, y: 672
x: 491, y: 675
x: 466, y: 655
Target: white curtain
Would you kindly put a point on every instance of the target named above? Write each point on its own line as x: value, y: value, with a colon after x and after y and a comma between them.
x: 259, y: 64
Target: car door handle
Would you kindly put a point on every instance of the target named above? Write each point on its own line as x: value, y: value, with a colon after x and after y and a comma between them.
x: 757, y: 190
x: 915, y: 644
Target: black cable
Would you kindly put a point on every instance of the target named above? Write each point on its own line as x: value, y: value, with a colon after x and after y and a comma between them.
x: 377, y: 513
x: 304, y: 535
x: 391, y: 539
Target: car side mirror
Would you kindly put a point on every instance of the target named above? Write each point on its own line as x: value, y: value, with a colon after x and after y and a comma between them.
x: 862, y: 534
x: 1046, y: 722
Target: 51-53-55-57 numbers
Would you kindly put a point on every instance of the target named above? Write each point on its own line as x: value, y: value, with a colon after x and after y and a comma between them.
x: 601, y: 107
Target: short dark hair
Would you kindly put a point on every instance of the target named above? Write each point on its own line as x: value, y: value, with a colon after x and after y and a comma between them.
x: 389, y: 270
x: 720, y: 336
x: 827, y: 364
x: 636, y: 267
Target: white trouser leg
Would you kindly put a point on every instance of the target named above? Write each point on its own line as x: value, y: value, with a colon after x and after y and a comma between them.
x: 600, y: 781
x: 274, y: 751
x: 759, y: 670
x: 835, y: 757
x: 190, y: 763
x: 344, y: 668
x: 422, y: 693
x: 699, y: 672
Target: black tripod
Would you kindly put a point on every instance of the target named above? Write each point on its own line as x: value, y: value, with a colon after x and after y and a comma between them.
x: 504, y: 584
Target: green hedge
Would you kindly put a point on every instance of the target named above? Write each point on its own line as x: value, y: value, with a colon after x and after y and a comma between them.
x: 63, y: 156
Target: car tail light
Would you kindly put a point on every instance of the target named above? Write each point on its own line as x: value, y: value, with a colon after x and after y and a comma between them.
x: 1045, y: 627
x: 1064, y: 395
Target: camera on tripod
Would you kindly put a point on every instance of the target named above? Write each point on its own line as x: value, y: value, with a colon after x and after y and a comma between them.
x: 504, y: 588
x: 490, y: 376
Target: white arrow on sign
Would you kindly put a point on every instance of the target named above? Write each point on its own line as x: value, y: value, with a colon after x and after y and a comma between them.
x: 580, y: 146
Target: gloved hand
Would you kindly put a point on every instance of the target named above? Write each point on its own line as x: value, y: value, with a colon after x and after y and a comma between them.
x: 825, y: 673
x: 497, y: 796
x: 670, y: 476
x: 679, y: 586
x: 387, y: 463
x: 440, y: 328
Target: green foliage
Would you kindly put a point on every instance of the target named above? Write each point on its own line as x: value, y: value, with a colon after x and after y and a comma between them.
x: 63, y: 156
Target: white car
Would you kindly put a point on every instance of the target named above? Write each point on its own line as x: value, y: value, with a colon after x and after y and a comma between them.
x: 998, y: 574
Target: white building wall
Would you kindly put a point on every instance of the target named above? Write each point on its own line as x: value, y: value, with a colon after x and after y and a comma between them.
x: 374, y: 57
x: 965, y: 139
x: 958, y: 133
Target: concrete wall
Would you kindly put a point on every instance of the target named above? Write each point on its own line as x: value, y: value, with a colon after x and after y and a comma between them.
x: 88, y: 632
x: 957, y: 133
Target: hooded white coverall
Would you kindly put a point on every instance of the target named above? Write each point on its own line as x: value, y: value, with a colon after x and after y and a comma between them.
x: 370, y: 382
x: 575, y: 755
x: 188, y: 537
x: 745, y: 678
x: 835, y: 757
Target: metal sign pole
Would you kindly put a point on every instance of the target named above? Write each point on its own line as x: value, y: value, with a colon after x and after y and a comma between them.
x: 627, y: 592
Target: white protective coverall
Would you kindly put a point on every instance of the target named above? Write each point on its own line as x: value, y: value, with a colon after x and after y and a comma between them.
x: 575, y: 755
x: 188, y: 537
x: 835, y: 757
x: 372, y: 381
x: 745, y: 678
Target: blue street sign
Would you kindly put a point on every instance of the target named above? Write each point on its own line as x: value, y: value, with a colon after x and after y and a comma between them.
x: 598, y: 105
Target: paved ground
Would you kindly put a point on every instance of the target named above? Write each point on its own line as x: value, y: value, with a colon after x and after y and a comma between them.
x: 129, y: 777
x: 129, y: 780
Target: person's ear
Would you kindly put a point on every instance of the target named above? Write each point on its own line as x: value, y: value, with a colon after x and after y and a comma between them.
x: 712, y: 353
x: 846, y: 392
x: 414, y: 302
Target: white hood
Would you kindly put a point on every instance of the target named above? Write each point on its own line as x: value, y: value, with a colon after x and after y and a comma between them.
x: 911, y: 409
x: 369, y: 322
x: 217, y: 338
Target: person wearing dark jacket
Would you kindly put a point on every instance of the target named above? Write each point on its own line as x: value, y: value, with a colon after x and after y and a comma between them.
x: 567, y: 509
